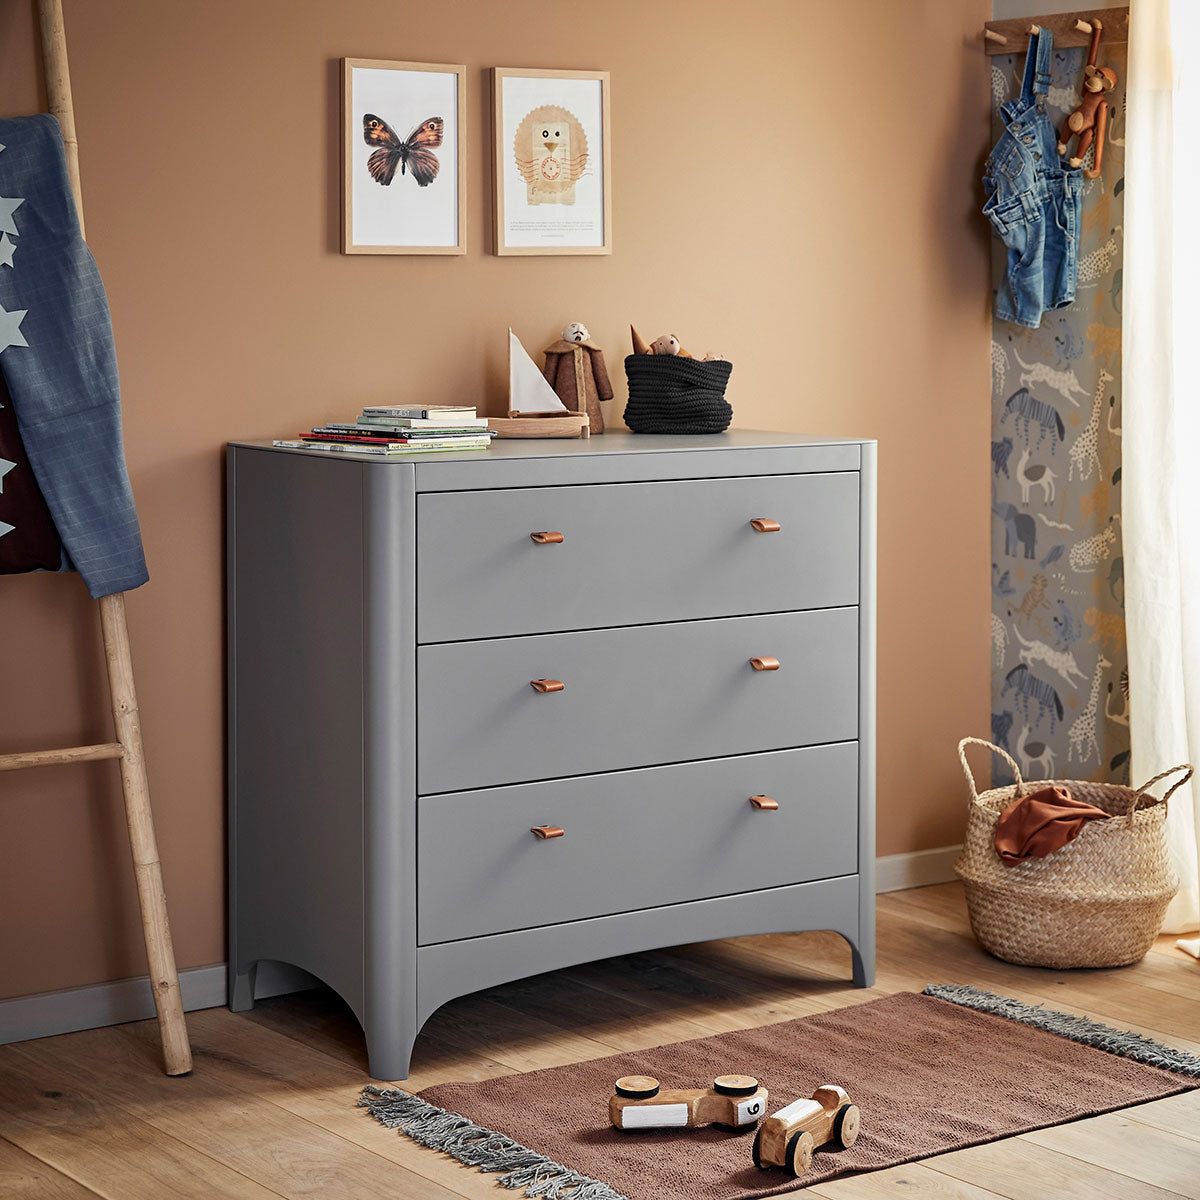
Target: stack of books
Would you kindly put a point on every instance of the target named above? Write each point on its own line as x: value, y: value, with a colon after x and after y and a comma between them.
x: 399, y: 429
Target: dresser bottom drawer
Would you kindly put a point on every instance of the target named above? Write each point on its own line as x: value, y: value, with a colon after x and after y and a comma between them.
x: 633, y: 840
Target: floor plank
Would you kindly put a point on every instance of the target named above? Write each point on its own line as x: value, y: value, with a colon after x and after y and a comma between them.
x: 77, y: 1132
x: 1129, y: 1149
x: 23, y: 1177
x: 237, y: 1128
x: 270, y: 1109
x: 1176, y: 1114
x: 912, y: 1179
x: 1020, y: 1169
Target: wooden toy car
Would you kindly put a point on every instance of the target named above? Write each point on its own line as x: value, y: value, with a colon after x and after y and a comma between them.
x: 789, y: 1137
x: 731, y: 1102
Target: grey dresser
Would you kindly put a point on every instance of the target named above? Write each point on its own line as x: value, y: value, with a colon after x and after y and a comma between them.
x: 493, y: 714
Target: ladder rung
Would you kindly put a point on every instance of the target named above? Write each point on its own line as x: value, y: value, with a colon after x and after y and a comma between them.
x: 71, y: 754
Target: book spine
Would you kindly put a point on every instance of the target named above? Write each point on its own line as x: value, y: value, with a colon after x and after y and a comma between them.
x: 331, y: 447
x: 443, y: 422
x: 381, y: 430
x: 393, y: 443
x: 412, y: 411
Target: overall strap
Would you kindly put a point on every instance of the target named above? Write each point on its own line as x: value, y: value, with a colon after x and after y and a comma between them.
x: 1038, y: 61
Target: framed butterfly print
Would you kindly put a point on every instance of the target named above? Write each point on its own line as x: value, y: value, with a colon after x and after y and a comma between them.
x: 552, y: 176
x: 403, y: 157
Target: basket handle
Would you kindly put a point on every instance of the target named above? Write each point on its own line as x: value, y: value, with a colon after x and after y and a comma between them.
x: 962, y: 758
x: 1141, y: 792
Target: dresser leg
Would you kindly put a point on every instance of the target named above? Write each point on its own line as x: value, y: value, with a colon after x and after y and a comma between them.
x: 863, y: 972
x: 862, y: 959
x: 241, y: 988
x: 388, y: 1059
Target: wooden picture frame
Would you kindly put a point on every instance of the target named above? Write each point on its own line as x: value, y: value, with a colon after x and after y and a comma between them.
x: 403, y: 216
x: 560, y: 203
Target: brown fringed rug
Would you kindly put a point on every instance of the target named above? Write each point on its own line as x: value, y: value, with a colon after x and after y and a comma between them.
x: 952, y: 1068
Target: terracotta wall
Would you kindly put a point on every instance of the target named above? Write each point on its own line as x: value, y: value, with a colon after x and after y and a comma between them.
x: 794, y: 184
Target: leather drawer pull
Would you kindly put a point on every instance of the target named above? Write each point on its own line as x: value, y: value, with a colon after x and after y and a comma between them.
x: 765, y: 663
x: 545, y: 832
x: 550, y: 537
x: 764, y: 525
x: 764, y: 803
x: 547, y: 685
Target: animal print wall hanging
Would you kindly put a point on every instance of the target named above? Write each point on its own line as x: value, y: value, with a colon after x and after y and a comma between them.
x: 1060, y: 682
x: 402, y: 157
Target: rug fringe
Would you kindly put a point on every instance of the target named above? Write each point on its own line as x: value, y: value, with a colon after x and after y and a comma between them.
x: 475, y: 1146
x: 1079, y: 1029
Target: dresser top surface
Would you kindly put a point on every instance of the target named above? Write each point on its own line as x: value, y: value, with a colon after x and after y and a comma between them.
x: 601, y: 445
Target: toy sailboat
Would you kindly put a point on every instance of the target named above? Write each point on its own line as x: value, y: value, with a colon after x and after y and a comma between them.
x: 534, y: 410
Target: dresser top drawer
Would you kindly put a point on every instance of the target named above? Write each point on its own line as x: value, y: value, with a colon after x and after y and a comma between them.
x: 543, y: 560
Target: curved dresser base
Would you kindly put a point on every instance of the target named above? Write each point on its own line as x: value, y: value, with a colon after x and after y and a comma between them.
x: 454, y: 969
x: 457, y: 968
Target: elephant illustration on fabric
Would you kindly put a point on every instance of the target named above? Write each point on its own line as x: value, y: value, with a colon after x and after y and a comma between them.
x: 1020, y: 529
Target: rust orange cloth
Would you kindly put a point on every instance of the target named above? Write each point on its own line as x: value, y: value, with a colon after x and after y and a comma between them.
x: 1038, y: 824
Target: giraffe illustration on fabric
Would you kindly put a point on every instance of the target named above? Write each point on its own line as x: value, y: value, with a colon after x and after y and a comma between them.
x: 1086, y: 449
x: 1084, y: 727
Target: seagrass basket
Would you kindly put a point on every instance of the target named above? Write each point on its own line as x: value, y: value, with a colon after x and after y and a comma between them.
x: 1098, y: 901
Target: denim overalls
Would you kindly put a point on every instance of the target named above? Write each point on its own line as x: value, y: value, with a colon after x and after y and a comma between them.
x: 1034, y: 200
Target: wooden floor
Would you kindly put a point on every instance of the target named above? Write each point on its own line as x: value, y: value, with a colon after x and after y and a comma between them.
x: 269, y: 1110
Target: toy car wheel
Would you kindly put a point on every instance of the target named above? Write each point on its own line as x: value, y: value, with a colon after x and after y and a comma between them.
x: 799, y: 1152
x: 637, y: 1087
x: 756, y: 1152
x: 846, y: 1124
x: 735, y: 1085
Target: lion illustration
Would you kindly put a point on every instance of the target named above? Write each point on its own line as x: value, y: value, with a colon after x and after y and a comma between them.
x: 551, y: 153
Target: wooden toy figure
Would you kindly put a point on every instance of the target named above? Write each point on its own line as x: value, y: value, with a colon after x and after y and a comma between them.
x: 575, y: 370
x: 732, y: 1101
x: 1090, y: 119
x: 789, y: 1137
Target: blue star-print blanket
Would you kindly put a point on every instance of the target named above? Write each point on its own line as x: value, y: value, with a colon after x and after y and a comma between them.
x: 58, y: 359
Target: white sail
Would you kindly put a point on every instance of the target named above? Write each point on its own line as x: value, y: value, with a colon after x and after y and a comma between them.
x: 528, y: 391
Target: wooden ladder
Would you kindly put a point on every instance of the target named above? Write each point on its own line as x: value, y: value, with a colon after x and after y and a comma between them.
x: 152, y: 899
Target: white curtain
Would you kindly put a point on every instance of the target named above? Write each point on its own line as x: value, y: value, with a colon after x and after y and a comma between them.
x: 1161, y: 417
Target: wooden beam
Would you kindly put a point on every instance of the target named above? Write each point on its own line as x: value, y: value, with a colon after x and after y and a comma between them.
x: 70, y: 754
x: 1015, y: 31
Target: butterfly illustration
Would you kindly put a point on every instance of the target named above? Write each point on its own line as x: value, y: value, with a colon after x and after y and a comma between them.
x: 415, y: 153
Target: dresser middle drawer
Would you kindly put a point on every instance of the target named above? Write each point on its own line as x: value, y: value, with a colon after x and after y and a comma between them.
x: 633, y: 697
x: 633, y: 553
x: 633, y: 839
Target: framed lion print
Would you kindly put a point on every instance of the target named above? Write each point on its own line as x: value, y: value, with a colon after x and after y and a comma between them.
x: 552, y: 177
x: 403, y: 157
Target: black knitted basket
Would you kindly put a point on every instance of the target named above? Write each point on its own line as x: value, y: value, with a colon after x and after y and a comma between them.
x: 668, y: 394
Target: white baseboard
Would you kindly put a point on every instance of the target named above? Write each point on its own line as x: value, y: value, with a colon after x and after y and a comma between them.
x: 920, y: 868
x: 121, y: 1000
x: 99, y: 1004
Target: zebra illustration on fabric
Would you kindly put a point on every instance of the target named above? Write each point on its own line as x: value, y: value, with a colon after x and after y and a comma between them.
x: 1001, y: 453
x: 1029, y: 688
x: 1026, y: 410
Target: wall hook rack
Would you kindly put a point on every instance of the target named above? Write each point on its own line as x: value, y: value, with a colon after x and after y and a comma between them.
x: 1069, y: 29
